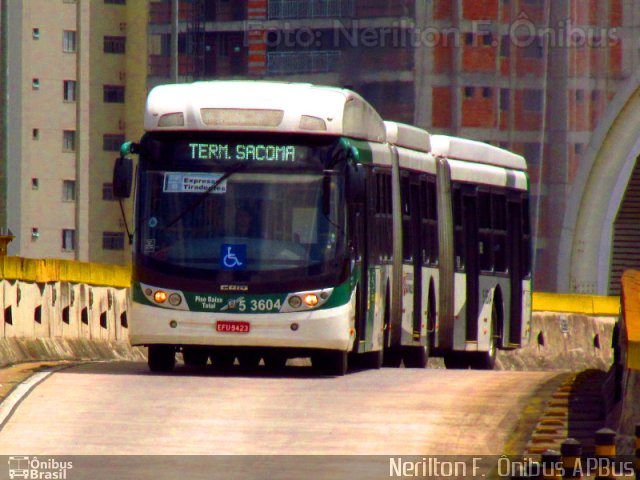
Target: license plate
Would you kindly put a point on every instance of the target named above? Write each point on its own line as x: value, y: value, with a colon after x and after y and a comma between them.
x: 232, y: 327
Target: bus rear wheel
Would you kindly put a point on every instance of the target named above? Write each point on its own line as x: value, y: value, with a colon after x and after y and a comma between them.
x: 249, y: 359
x: 195, y: 356
x: 415, y: 357
x: 330, y: 362
x: 161, y: 358
x: 392, y: 357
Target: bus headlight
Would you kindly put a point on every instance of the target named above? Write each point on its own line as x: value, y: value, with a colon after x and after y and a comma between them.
x: 311, y: 299
x: 295, y: 301
x: 175, y: 299
x: 160, y: 296
x: 304, y: 301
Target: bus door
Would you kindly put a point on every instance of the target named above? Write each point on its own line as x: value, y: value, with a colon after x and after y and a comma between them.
x: 472, y: 267
x: 416, y: 221
x: 360, y: 257
x: 516, y: 263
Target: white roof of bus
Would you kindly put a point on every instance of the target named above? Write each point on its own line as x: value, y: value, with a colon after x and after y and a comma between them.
x: 408, y: 136
x: 262, y: 106
x: 478, y: 152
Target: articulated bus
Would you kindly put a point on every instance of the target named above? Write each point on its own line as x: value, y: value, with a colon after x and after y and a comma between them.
x: 281, y: 220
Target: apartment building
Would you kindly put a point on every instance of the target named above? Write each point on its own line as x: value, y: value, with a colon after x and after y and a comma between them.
x: 536, y: 77
x: 69, y: 94
x: 351, y: 43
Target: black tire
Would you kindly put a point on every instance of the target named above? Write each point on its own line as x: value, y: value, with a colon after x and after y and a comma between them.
x: 249, y: 359
x: 456, y: 361
x: 161, y: 358
x: 392, y: 357
x: 275, y: 361
x: 222, y: 359
x: 331, y: 362
x: 415, y: 357
x: 195, y: 356
x: 371, y: 360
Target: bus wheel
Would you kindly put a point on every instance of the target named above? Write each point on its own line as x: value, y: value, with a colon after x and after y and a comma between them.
x: 330, y: 362
x: 456, y: 360
x: 194, y: 356
x: 249, y: 359
x: 161, y: 358
x: 392, y: 357
x: 370, y: 359
x: 275, y: 361
x: 223, y: 359
x: 415, y: 357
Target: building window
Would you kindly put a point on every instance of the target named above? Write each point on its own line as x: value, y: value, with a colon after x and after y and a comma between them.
x: 580, y: 95
x: 114, y: 44
x: 113, y: 241
x: 113, y: 94
x: 112, y: 142
x: 35, y: 33
x: 505, y: 46
x: 68, y: 240
x: 533, y: 100
x: 69, y: 41
x: 469, y: 92
x: 35, y: 184
x: 107, y: 191
x: 69, y: 90
x: 69, y: 140
x: 487, y: 92
x: 35, y: 83
x: 35, y: 133
x: 504, y: 99
x: 68, y: 190
x: 532, y: 153
x: 116, y: 2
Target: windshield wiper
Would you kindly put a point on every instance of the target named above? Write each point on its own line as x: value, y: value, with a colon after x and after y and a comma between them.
x: 202, y: 196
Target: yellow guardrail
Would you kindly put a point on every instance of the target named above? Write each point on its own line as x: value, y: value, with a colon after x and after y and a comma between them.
x: 581, y: 304
x: 631, y: 316
x: 55, y: 270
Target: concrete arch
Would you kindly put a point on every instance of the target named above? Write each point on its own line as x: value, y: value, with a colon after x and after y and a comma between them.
x: 597, y: 192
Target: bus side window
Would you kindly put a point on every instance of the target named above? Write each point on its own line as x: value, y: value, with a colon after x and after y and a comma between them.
x: 458, y: 249
x: 485, y: 232
x: 407, y: 230
x: 499, y: 225
x: 526, y: 238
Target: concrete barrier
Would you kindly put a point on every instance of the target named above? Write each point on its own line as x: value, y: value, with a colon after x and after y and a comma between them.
x: 57, y: 299
x: 563, y: 341
x: 59, y: 310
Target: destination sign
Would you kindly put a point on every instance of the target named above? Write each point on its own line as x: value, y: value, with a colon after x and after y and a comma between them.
x: 245, y: 152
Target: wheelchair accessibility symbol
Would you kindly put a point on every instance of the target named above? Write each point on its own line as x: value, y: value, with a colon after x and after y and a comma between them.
x: 233, y: 257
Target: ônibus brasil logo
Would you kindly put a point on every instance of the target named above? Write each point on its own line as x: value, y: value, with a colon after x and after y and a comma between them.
x: 34, y: 468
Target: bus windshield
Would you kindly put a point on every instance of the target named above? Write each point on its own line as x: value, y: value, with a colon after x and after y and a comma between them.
x: 227, y: 217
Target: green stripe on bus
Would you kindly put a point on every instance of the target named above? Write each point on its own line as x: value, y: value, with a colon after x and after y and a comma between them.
x: 243, y: 303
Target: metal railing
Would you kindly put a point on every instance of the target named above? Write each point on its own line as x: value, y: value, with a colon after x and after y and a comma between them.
x: 290, y: 63
x: 279, y: 9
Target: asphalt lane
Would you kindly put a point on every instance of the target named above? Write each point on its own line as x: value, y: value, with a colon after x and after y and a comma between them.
x: 122, y: 409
